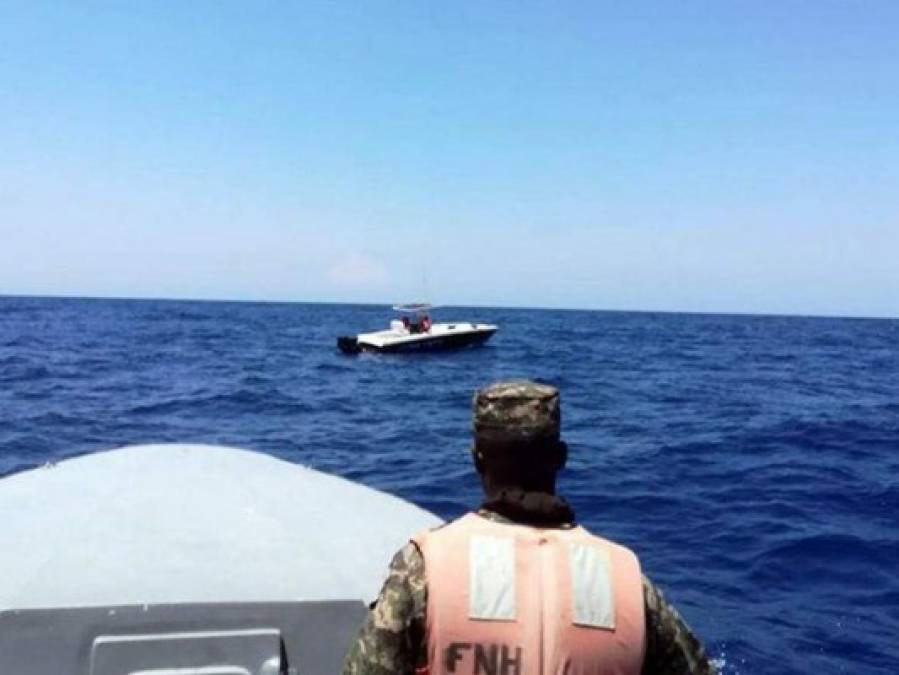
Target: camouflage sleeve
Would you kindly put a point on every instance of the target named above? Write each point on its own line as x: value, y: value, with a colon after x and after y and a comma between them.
x: 671, y: 647
x: 391, y: 641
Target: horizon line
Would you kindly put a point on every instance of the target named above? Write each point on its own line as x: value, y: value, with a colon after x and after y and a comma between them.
x: 125, y: 298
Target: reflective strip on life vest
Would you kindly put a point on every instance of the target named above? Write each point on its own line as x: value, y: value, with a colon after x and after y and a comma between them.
x: 491, y: 581
x: 592, y: 600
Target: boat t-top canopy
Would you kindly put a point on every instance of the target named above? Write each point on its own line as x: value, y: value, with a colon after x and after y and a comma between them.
x: 413, y: 307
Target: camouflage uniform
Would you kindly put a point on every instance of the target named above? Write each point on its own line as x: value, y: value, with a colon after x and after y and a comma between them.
x: 393, y: 640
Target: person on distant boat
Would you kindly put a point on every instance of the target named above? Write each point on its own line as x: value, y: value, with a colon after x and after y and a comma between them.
x: 518, y: 588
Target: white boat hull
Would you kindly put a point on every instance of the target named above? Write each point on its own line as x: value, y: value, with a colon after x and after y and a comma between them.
x: 440, y: 336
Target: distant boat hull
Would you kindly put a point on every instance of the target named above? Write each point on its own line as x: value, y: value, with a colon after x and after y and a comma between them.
x: 440, y: 338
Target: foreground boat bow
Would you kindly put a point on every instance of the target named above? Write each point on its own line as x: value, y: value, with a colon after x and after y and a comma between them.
x: 189, y: 559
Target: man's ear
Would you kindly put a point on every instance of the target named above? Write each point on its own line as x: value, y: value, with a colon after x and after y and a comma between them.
x: 478, y: 458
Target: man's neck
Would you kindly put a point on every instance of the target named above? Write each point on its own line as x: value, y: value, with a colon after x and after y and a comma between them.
x: 541, y: 509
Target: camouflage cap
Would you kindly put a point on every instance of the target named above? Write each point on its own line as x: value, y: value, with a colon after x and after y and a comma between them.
x: 517, y: 411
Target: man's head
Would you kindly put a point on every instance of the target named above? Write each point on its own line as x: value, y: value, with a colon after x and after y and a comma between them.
x: 516, y: 436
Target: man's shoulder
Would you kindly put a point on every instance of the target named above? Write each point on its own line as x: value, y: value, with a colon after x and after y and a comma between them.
x: 383, y: 645
x: 420, y: 539
x: 608, y: 541
x: 403, y: 592
x: 408, y: 560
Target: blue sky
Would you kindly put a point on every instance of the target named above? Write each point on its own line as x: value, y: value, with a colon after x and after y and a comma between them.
x: 697, y: 156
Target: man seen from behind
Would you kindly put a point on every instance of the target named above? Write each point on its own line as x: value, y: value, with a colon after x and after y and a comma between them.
x: 517, y: 587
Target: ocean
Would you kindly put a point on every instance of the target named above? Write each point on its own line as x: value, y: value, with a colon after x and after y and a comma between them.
x: 751, y: 461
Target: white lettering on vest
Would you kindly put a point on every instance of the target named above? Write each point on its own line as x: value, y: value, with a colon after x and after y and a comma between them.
x: 591, y: 587
x: 491, y: 591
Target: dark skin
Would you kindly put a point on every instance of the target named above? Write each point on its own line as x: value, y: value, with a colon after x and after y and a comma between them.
x: 525, y: 467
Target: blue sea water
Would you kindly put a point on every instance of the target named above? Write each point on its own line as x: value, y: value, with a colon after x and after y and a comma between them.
x: 753, y: 462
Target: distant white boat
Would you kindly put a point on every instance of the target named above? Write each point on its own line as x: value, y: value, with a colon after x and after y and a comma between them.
x: 414, y: 331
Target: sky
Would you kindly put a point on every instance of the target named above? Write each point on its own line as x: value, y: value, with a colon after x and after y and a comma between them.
x: 678, y: 156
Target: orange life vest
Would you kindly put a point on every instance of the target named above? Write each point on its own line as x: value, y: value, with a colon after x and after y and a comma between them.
x: 510, y: 599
